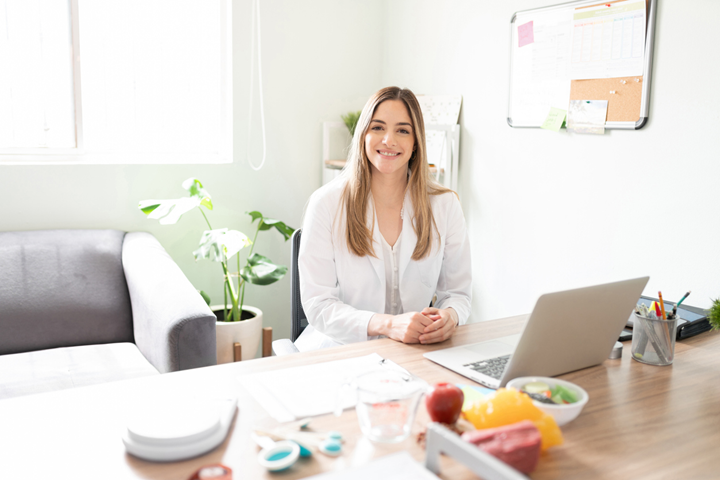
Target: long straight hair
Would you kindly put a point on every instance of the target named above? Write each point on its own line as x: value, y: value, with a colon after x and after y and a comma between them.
x: 356, y: 194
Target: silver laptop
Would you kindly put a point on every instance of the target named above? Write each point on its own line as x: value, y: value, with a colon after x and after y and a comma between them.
x: 566, y: 331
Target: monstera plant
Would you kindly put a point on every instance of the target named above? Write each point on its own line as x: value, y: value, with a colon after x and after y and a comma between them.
x: 222, y: 244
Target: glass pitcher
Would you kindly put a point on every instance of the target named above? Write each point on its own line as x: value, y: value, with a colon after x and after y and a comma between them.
x: 386, y: 402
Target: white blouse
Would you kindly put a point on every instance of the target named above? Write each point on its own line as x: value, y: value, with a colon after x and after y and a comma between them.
x: 393, y: 302
x: 341, y: 291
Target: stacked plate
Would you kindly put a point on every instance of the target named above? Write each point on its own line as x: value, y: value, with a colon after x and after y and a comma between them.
x: 180, y: 430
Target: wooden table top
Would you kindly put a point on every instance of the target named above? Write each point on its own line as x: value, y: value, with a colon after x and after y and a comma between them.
x: 641, y: 421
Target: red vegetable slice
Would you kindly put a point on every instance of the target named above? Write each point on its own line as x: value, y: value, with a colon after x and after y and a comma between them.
x: 518, y: 444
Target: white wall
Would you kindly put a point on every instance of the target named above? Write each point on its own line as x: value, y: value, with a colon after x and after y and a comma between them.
x: 548, y: 211
x: 315, y: 67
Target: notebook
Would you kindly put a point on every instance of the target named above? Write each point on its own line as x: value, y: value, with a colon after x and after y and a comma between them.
x: 566, y: 331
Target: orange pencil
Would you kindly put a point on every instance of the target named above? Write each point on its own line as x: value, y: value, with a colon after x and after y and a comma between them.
x: 662, y: 306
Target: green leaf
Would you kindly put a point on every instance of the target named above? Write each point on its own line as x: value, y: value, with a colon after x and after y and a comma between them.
x: 221, y: 244
x: 255, y: 215
x: 268, y: 223
x: 261, y: 271
x: 714, y: 314
x: 168, y: 212
x: 351, y: 119
x: 195, y: 188
x: 205, y: 297
x: 148, y: 206
x: 207, y: 203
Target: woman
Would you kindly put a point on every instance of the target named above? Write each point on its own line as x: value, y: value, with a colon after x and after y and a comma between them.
x: 382, y: 239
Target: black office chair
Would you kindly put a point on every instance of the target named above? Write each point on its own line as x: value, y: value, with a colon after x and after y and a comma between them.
x: 298, y: 317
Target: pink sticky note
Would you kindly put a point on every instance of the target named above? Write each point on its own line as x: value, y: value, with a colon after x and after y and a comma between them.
x: 525, y: 34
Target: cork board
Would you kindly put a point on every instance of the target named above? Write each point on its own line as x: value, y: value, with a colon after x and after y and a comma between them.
x: 623, y: 105
x: 530, y: 99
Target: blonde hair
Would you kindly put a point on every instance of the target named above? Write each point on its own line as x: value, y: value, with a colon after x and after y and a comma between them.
x: 355, y: 196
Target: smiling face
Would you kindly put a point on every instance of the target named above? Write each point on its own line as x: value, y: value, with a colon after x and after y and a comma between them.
x: 390, y: 139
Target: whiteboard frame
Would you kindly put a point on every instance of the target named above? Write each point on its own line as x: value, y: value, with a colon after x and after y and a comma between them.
x: 647, y: 76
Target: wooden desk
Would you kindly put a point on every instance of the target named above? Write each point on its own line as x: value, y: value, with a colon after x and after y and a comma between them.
x: 641, y: 421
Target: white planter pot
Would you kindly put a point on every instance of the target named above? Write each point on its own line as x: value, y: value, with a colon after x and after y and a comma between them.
x: 246, y: 332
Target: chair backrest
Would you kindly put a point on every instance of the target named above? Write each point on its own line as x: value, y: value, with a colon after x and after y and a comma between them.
x: 299, y: 319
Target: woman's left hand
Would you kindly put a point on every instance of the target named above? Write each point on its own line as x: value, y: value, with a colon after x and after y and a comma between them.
x: 443, y: 326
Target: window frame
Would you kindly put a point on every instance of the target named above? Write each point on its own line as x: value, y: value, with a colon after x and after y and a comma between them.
x: 79, y: 155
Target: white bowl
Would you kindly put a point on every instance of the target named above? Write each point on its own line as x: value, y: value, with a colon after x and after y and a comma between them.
x: 562, y: 414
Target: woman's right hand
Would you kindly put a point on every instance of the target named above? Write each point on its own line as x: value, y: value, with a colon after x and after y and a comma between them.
x: 406, y: 327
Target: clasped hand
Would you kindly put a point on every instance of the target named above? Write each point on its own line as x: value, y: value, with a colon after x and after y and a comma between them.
x: 432, y: 325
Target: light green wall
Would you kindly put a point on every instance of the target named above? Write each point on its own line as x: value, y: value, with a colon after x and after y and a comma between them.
x: 316, y: 66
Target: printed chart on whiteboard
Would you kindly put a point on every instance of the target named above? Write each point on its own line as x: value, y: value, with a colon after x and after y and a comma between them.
x: 608, y: 41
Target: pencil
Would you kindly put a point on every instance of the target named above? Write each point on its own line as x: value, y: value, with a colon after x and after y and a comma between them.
x: 665, y: 327
x: 662, y: 306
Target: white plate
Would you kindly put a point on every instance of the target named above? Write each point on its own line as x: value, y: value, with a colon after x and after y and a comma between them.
x: 563, y: 414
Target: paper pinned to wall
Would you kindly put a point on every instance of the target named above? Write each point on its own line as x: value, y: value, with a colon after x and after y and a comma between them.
x: 608, y: 40
x: 554, y: 120
x: 587, y: 116
x: 525, y: 34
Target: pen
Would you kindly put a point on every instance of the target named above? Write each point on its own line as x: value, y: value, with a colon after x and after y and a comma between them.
x: 657, y: 309
x: 681, y: 300
x: 662, y: 306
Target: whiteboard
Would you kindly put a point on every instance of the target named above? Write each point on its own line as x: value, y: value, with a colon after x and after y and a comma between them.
x: 546, y: 45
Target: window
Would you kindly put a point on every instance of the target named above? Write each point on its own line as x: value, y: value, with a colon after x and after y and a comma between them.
x: 115, y: 81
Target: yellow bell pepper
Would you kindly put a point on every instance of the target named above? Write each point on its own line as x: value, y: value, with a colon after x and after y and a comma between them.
x: 510, y: 406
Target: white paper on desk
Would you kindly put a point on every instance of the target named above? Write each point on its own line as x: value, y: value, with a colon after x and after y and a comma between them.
x: 398, y: 466
x: 608, y: 40
x: 297, y: 392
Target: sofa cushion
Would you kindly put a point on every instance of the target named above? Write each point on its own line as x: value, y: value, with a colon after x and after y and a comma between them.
x: 60, y: 368
x: 61, y: 288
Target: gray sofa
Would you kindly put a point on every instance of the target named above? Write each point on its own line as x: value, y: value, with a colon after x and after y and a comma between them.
x: 80, y: 307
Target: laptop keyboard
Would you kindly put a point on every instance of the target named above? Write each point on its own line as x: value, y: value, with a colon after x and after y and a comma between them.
x: 492, y: 367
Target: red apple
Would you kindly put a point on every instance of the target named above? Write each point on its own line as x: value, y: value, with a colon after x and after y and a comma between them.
x: 444, y: 403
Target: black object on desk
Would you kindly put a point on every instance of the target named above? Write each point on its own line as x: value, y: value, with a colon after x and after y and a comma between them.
x: 625, y: 335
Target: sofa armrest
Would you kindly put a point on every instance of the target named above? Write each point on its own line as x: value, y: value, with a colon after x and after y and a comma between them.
x: 173, y: 326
